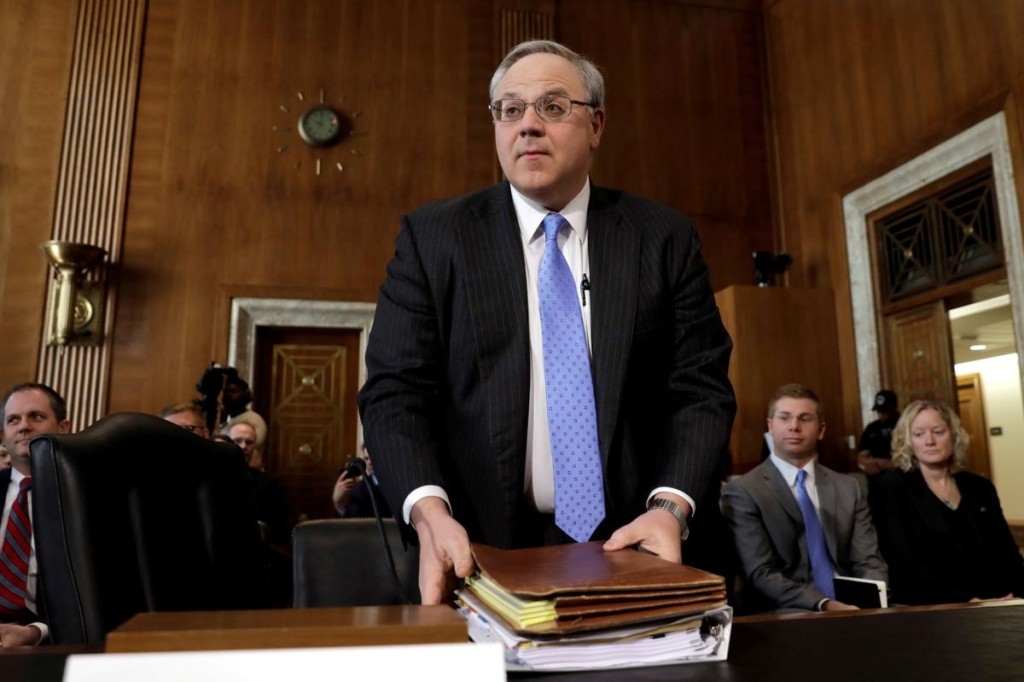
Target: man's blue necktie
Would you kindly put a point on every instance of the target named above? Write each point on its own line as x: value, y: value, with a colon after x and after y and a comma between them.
x: 821, y: 565
x: 572, y: 415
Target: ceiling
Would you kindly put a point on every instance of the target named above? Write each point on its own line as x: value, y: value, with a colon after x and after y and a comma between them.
x: 987, y: 321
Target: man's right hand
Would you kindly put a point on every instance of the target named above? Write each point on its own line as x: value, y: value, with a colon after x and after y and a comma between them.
x: 19, y: 635
x: 444, y: 549
x: 342, y: 488
x: 833, y: 605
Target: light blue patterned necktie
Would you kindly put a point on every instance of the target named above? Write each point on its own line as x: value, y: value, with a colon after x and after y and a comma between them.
x: 572, y: 415
x: 817, y: 552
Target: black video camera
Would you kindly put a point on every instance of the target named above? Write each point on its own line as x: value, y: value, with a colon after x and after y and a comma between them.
x: 210, y: 386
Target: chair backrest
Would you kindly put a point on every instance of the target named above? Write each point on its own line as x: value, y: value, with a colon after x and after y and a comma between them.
x: 340, y: 562
x: 135, y: 514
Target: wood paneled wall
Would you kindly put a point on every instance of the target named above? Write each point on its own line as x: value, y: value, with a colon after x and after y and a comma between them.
x: 686, y: 116
x: 92, y: 182
x: 35, y: 55
x: 215, y: 210
x: 859, y: 87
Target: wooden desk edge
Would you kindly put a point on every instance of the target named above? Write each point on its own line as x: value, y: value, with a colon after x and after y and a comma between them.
x: 288, y: 628
x: 764, y: 617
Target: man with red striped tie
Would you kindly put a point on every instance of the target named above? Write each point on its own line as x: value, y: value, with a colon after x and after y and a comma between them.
x: 28, y: 410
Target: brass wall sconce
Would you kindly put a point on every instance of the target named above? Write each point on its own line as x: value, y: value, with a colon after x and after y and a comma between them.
x: 75, y: 310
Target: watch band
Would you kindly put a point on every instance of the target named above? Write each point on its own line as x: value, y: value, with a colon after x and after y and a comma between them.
x: 675, y: 510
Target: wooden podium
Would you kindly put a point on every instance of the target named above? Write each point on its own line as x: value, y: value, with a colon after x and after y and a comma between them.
x: 781, y: 335
x: 288, y: 629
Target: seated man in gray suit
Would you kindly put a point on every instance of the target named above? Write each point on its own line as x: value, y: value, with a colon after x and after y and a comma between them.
x: 797, y: 524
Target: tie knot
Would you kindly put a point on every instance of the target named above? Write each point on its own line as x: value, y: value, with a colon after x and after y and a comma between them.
x: 801, y: 477
x: 553, y: 223
x: 26, y: 483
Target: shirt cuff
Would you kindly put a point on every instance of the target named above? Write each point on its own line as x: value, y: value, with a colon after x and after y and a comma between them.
x: 674, y: 491
x: 44, y: 629
x: 418, y: 494
x: 820, y: 606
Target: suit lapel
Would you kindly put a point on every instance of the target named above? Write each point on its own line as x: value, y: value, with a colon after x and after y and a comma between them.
x: 614, y: 250
x: 776, y: 484
x: 827, y: 507
x: 493, y: 262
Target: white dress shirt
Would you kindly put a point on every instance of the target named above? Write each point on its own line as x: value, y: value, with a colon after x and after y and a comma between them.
x: 572, y: 242
x: 789, y: 472
x: 30, y: 592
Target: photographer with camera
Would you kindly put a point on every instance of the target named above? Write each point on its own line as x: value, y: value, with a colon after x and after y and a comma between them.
x: 226, y: 400
x: 352, y: 500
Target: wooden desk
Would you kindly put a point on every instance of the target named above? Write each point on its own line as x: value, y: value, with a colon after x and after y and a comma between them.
x: 976, y: 643
x: 288, y: 628
x: 968, y: 642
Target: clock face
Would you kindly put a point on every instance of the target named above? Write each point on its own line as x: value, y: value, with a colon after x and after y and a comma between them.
x: 322, y: 126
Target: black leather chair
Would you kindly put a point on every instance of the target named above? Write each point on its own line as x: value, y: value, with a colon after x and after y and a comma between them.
x: 340, y: 562
x: 135, y: 514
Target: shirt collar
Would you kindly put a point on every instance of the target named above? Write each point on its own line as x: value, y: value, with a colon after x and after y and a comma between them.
x: 789, y: 471
x: 531, y: 214
x: 16, y: 477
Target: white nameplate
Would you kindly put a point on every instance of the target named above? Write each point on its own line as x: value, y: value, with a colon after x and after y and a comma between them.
x: 450, y: 662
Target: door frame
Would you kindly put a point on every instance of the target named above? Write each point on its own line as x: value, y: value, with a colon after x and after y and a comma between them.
x: 247, y: 313
x: 988, y: 138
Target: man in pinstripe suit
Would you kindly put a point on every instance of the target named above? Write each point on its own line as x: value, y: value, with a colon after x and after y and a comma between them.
x: 454, y: 408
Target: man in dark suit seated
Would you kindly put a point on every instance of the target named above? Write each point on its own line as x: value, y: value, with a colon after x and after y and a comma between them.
x: 28, y: 410
x: 796, y: 523
x: 547, y: 363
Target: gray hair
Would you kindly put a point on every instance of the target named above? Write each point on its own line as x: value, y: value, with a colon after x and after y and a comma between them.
x: 593, y: 81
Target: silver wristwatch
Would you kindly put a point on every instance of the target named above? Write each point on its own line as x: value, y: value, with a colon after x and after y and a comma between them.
x: 675, y: 510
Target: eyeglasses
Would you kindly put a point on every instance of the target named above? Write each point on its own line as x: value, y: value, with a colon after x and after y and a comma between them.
x: 549, y: 108
x: 804, y: 419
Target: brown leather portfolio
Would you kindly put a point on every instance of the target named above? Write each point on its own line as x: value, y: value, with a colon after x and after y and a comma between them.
x: 580, y: 587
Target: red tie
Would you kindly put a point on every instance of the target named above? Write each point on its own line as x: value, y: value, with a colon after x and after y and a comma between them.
x: 15, y: 553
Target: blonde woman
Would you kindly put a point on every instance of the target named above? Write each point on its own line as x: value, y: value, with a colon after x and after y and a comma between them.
x: 941, y: 528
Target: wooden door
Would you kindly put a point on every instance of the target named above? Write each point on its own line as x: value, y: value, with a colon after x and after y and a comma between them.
x: 918, y: 347
x: 972, y: 416
x: 305, y: 385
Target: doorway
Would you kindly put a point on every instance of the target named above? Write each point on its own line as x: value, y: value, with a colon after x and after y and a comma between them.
x: 305, y: 383
x: 989, y: 138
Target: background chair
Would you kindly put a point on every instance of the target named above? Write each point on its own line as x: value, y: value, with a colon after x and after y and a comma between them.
x: 136, y: 514
x: 340, y: 562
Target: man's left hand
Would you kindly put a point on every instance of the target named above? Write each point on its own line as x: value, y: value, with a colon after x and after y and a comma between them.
x: 656, y: 531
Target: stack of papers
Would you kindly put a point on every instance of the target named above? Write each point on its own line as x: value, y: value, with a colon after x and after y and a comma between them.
x: 577, y: 607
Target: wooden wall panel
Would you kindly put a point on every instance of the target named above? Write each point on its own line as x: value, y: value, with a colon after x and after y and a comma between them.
x: 35, y: 53
x: 215, y: 210
x: 92, y: 182
x: 685, y: 116
x: 215, y: 206
x: 859, y: 87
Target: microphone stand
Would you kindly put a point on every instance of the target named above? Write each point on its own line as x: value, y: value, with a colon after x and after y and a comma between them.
x: 359, y: 466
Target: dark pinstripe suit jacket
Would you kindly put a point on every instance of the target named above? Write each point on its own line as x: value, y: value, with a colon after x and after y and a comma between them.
x: 447, y: 395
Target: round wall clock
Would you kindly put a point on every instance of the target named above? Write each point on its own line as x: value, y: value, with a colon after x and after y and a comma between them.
x: 323, y: 126
x: 320, y: 126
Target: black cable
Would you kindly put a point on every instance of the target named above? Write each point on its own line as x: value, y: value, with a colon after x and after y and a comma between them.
x: 360, y: 466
